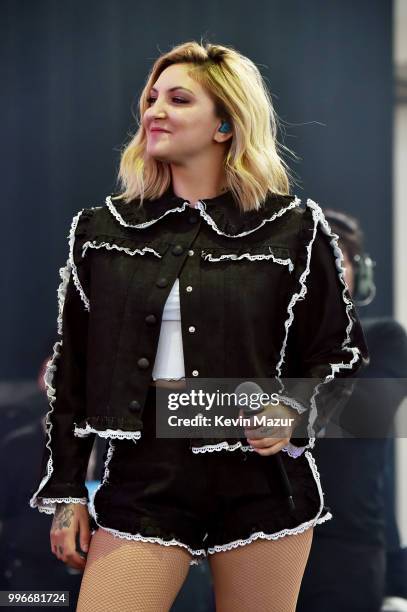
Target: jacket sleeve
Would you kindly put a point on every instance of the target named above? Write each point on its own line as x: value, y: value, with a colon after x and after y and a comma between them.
x: 325, y: 344
x: 65, y: 456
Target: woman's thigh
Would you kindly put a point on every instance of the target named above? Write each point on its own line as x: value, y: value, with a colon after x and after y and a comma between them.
x: 262, y: 575
x: 131, y: 575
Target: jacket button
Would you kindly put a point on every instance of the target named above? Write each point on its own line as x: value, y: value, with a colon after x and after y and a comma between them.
x: 191, y: 252
x: 143, y: 363
x: 191, y: 329
x: 195, y: 372
x: 189, y: 288
x: 193, y: 219
x: 134, y: 406
x: 162, y: 282
x: 151, y: 319
x: 178, y: 250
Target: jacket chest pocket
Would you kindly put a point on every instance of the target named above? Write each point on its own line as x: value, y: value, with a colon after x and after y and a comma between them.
x: 117, y: 261
x: 254, y: 254
x: 256, y: 280
x: 126, y: 246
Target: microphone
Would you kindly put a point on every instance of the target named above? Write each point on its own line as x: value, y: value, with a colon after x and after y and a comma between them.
x: 249, y: 388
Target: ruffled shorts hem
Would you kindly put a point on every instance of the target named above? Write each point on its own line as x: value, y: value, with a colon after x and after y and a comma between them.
x: 200, y: 554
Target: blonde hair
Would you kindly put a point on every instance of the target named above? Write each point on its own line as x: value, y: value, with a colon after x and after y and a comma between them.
x: 252, y: 164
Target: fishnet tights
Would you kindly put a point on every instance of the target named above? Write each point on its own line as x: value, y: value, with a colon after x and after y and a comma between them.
x: 264, y: 576
x: 131, y: 576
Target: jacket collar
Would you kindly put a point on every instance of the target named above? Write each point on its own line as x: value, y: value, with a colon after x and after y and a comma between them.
x: 222, y: 212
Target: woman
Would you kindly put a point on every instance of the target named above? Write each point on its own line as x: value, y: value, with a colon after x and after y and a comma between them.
x: 205, y: 226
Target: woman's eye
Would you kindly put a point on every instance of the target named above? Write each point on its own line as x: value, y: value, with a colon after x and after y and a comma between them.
x: 179, y: 100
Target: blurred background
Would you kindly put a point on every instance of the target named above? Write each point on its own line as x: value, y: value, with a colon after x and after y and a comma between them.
x: 72, y: 74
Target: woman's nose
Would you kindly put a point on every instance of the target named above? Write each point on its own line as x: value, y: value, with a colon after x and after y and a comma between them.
x: 158, y: 109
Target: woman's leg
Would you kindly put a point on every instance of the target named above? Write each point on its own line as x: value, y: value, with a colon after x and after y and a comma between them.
x: 130, y: 575
x: 262, y: 575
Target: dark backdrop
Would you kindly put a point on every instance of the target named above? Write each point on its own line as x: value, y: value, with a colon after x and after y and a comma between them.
x: 73, y: 70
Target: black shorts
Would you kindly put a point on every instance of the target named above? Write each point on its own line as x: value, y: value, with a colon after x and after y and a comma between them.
x: 158, y: 490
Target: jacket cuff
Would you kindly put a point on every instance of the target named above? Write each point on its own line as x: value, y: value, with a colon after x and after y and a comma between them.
x: 294, y: 450
x: 296, y: 445
x: 52, y: 494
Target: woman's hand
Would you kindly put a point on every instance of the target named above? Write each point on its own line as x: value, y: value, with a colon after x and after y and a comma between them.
x: 281, y: 435
x: 68, y: 520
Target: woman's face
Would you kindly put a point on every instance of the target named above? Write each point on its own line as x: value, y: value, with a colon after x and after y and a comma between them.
x: 188, y: 115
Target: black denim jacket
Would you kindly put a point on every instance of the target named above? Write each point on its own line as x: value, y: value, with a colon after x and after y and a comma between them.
x: 262, y: 295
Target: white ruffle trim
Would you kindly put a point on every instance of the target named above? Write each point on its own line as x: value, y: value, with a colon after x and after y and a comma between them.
x: 255, y: 257
x: 52, y: 501
x: 120, y: 219
x: 201, y: 206
x: 51, y: 394
x: 109, y: 246
x: 137, y: 537
x: 339, y: 260
x: 105, y: 479
x: 64, y: 273
x: 293, y: 451
x: 295, y: 297
x: 210, y: 448
x: 317, y: 520
x: 293, y: 404
x: 75, y: 276
x: 290, y: 449
x: 84, y: 432
x: 268, y: 536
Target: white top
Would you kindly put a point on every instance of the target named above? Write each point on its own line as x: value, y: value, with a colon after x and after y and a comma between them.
x: 169, y: 360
